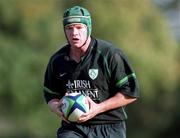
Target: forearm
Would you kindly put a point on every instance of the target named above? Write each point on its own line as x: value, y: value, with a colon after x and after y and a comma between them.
x: 116, y: 101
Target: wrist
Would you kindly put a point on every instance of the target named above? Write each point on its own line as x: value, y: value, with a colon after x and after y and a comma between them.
x: 101, y: 107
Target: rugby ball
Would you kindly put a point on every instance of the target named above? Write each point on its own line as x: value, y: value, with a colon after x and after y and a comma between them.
x: 73, y: 106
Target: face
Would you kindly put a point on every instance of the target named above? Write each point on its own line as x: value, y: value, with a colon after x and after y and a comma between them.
x: 76, y: 34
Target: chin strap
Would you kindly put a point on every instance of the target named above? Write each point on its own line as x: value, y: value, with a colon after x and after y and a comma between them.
x: 84, y: 43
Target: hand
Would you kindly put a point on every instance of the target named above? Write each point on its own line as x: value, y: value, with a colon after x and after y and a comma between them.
x: 55, y: 105
x: 94, y: 109
x: 60, y: 113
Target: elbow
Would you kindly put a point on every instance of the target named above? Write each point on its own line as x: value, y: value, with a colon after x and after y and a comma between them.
x: 131, y: 99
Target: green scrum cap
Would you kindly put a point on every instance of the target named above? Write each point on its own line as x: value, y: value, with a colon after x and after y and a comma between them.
x: 78, y: 14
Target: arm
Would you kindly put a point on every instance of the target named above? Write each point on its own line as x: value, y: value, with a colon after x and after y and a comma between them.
x: 116, y: 101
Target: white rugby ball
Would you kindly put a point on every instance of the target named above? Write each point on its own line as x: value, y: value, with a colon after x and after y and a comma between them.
x: 73, y: 106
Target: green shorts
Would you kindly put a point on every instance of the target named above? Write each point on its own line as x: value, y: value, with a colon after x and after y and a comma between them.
x: 116, y: 130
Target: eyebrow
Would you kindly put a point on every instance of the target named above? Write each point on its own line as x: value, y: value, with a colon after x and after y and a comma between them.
x: 75, y: 24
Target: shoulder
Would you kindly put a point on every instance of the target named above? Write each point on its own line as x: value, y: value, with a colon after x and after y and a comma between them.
x: 107, y: 48
x: 110, y: 52
x: 102, y: 44
x: 62, y: 52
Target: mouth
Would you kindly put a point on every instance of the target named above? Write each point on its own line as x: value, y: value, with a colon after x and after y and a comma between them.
x: 75, y: 39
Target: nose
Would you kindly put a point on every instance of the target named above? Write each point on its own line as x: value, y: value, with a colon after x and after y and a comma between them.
x: 75, y: 31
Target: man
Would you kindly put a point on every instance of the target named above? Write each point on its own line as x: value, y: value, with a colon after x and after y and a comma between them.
x: 96, y: 69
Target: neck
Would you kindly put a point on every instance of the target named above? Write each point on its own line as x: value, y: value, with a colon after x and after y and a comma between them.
x: 77, y: 53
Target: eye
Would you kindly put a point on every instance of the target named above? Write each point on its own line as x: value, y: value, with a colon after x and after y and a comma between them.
x: 69, y: 27
x: 79, y: 27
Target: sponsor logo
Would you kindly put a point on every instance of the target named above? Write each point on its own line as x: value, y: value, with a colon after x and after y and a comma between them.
x: 62, y: 74
x: 83, y: 87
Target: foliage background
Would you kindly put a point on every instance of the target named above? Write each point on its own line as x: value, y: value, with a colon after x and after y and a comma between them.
x: 31, y: 31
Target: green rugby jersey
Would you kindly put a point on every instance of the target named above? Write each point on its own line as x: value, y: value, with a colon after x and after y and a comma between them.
x: 102, y: 72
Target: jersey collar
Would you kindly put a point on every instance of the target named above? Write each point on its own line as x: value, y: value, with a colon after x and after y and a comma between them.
x: 91, y: 45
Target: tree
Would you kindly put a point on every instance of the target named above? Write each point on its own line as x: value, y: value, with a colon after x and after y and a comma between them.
x: 30, y: 31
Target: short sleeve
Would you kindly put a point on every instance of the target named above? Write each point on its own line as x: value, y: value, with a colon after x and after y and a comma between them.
x: 51, y: 87
x: 123, y: 75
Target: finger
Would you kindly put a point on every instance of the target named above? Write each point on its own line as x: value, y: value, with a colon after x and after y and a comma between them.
x: 63, y: 117
x: 83, y: 119
x: 88, y: 98
x: 86, y: 101
x: 65, y: 120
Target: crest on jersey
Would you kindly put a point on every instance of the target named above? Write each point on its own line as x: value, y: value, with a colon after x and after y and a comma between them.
x: 93, y: 73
